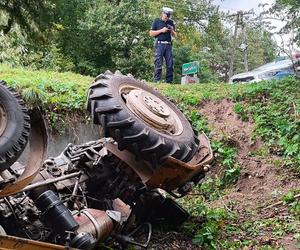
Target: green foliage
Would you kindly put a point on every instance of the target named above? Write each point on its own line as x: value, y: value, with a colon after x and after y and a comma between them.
x: 32, y: 18
x: 225, y: 153
x: 241, y: 111
x: 261, y: 48
x: 292, y: 201
x: 51, y: 90
x: 17, y: 50
x: 290, y: 9
x: 90, y: 37
x: 275, y: 107
x: 212, y: 222
x: 110, y: 36
x: 295, y: 208
x: 212, y: 188
x: 289, y: 197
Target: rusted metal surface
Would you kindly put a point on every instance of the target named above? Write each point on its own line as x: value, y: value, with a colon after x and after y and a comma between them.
x: 174, y: 173
x: 49, y: 181
x: 38, y: 148
x: 152, y: 110
x: 3, y: 119
x: 140, y: 167
x: 123, y: 208
x: 91, y: 176
x: 204, y: 153
x: 95, y: 222
x: 11, y: 242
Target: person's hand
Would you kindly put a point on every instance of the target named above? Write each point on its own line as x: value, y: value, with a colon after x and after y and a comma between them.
x: 164, y: 30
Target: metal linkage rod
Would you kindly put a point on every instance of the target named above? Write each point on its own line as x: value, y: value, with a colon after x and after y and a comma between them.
x: 50, y: 181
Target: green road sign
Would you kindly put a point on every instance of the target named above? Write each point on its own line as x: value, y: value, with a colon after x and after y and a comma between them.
x: 190, y: 68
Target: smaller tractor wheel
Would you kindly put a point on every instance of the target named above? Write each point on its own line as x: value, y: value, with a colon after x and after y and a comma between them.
x: 140, y: 119
x: 14, y: 126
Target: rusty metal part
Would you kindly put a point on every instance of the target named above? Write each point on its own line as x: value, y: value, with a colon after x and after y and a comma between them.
x: 38, y: 148
x: 49, y: 181
x: 141, y: 168
x: 3, y: 119
x: 96, y: 222
x: 54, y: 171
x: 11, y: 242
x: 124, y: 209
x: 204, y: 154
x: 174, y: 173
x: 152, y: 110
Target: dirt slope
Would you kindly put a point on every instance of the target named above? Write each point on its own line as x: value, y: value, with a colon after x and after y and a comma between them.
x: 261, y: 183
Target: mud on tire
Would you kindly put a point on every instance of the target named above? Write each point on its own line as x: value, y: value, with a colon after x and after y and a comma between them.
x: 14, y: 126
x: 112, y: 104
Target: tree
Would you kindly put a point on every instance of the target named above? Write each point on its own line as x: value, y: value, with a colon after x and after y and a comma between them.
x: 105, y: 35
x: 217, y: 39
x: 92, y: 36
x: 288, y: 11
x: 31, y: 16
x: 261, y: 49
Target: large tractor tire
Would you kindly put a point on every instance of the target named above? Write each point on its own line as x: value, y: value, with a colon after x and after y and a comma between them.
x: 14, y: 126
x: 140, y: 119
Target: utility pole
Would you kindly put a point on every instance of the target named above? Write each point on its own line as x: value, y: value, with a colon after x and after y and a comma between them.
x: 233, y: 47
x: 245, y: 46
x: 238, y: 22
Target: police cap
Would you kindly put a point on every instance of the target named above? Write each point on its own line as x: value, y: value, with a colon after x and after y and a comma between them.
x: 166, y: 10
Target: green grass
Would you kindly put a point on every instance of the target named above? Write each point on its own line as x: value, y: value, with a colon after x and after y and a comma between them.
x: 274, y: 107
x: 60, y: 95
x: 52, y: 91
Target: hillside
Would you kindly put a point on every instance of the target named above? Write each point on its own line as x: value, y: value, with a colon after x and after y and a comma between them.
x: 249, y: 199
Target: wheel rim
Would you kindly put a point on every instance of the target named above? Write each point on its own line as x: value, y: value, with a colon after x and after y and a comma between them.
x: 3, y: 119
x: 152, y: 110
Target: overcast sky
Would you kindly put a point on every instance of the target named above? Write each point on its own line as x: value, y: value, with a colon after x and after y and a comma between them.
x: 234, y: 5
x: 245, y: 5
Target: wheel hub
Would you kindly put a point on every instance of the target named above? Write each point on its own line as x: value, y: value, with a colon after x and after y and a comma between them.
x: 154, y: 111
x: 155, y: 105
x: 3, y: 119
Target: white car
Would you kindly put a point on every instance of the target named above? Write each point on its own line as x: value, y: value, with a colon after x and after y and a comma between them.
x: 269, y: 71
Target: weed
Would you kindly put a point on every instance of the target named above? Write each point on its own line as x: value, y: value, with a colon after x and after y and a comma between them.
x: 214, y: 221
x: 289, y: 197
x: 295, y: 208
x: 241, y: 110
x: 273, y: 107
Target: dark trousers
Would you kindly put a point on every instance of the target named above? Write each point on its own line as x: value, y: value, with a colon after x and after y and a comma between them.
x: 163, y: 51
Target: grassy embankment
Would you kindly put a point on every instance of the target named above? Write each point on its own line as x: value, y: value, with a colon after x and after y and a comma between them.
x: 274, y: 107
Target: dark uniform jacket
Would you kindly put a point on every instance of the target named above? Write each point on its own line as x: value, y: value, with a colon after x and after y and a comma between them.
x: 159, y: 24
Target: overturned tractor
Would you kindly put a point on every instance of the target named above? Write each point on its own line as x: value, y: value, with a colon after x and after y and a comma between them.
x: 107, y: 190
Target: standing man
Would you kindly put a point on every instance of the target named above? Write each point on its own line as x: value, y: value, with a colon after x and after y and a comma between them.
x: 163, y: 29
